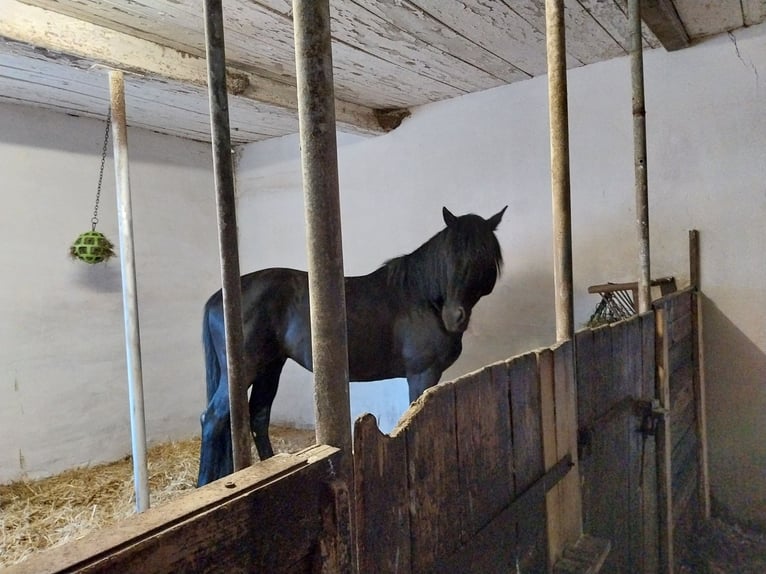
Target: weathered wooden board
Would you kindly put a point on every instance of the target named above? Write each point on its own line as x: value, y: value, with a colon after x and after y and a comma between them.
x: 483, y: 426
x: 434, y: 480
x: 382, y: 499
x: 526, y: 424
x: 267, y: 518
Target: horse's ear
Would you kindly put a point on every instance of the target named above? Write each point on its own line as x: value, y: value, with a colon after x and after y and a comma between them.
x: 494, y: 221
x: 449, y: 219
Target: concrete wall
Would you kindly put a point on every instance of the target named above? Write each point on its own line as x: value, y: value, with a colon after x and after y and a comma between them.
x: 707, y: 134
x: 63, y: 387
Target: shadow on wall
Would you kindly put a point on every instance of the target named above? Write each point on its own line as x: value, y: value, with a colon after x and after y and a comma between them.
x: 98, y: 277
x: 735, y: 377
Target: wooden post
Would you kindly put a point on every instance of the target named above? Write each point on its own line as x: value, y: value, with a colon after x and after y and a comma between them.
x: 639, y: 151
x: 227, y: 233
x: 699, y: 372
x: 316, y: 112
x: 129, y: 290
x: 559, y: 135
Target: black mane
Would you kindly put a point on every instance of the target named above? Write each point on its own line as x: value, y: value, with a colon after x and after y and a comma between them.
x: 462, y: 251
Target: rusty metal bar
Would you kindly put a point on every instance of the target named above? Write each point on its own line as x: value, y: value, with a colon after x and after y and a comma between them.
x: 129, y: 290
x: 227, y: 232
x: 639, y: 151
x: 559, y: 130
x: 316, y: 113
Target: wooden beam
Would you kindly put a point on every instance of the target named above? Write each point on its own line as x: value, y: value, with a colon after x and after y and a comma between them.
x: 663, y: 20
x: 275, y: 516
x: 73, y: 38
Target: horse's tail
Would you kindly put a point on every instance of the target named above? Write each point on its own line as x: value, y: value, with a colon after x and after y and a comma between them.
x: 212, y: 366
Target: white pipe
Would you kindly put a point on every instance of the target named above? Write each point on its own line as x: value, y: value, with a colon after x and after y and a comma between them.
x: 129, y: 292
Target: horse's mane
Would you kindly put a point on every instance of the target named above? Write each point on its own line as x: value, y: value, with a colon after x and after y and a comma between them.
x: 469, y: 244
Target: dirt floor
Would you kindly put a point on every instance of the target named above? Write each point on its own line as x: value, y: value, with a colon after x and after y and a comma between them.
x: 39, y: 514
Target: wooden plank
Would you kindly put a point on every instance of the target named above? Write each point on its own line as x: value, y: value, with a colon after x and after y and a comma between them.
x: 524, y: 385
x: 483, y: 426
x: 662, y: 19
x: 66, y: 35
x: 554, y: 510
x: 586, y: 556
x: 682, y: 416
x: 412, y: 18
x: 717, y: 16
x: 267, y: 518
x: 434, y: 481
x: 481, y: 553
x: 648, y: 476
x: 382, y: 498
x: 565, y: 391
x: 664, y: 444
x: 700, y: 397
x: 359, y: 28
x: 680, y: 354
x: 754, y: 11
x: 564, y: 501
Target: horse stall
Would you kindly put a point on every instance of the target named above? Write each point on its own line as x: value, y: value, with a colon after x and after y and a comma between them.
x: 589, y: 455
x: 483, y: 474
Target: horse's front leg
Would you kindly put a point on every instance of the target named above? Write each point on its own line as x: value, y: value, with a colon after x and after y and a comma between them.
x: 419, y: 382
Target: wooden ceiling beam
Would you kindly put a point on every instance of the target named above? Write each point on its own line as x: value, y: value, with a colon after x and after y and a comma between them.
x: 662, y: 19
x: 73, y: 38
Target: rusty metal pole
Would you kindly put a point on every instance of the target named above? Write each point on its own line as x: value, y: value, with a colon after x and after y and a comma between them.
x: 559, y: 134
x: 316, y: 110
x: 639, y: 151
x: 227, y: 233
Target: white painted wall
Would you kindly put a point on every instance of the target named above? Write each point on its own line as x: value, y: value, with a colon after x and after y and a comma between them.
x: 707, y: 135
x: 63, y: 386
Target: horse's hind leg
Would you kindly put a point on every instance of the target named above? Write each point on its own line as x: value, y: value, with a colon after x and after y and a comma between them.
x: 261, y: 398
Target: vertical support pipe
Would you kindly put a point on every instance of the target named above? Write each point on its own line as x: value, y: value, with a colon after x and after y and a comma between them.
x: 562, y: 211
x: 316, y: 111
x: 129, y: 291
x: 639, y: 151
x: 227, y: 233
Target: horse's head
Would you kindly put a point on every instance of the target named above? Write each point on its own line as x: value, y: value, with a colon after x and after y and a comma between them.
x: 471, y: 263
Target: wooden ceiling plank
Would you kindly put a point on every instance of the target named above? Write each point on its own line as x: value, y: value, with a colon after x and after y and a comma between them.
x: 495, y: 27
x: 754, y: 11
x: 706, y: 17
x: 663, y: 20
x: 409, y: 17
x: 612, y: 16
x: 33, y: 79
x: 66, y: 35
x: 364, y: 30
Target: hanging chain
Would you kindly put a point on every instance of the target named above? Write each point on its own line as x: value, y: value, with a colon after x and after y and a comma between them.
x: 94, y: 219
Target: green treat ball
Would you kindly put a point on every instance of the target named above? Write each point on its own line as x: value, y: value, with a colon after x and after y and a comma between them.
x: 92, y: 247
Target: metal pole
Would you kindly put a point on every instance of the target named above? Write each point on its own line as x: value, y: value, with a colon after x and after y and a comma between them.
x: 562, y: 212
x: 227, y: 233
x: 129, y: 291
x: 639, y: 151
x: 316, y: 110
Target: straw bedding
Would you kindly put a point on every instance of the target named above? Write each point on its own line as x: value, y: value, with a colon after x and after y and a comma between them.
x: 35, y: 515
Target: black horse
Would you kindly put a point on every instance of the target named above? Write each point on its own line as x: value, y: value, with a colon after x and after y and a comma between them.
x: 407, y: 318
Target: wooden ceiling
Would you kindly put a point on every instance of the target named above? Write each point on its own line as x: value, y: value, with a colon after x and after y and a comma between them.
x: 388, y: 55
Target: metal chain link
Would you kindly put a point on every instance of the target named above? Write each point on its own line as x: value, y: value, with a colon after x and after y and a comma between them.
x: 94, y: 219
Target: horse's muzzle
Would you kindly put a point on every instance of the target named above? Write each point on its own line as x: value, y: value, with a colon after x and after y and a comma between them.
x: 455, y: 318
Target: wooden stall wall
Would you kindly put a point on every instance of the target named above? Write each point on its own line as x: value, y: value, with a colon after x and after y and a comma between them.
x: 682, y: 494
x: 460, y: 485
x: 616, y: 386
x: 288, y: 515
